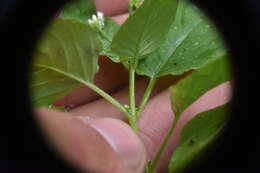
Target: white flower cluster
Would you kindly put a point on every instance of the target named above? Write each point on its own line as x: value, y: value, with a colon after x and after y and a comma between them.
x: 97, y: 20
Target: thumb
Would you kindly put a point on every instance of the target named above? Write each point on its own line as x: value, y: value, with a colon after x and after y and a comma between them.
x: 99, y: 145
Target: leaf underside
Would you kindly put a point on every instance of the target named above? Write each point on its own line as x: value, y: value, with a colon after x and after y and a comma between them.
x: 197, y: 136
x: 189, y: 89
x: 46, y: 86
x: 66, y: 56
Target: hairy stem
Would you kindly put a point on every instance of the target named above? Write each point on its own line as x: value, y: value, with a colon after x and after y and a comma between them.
x: 146, y: 96
x: 151, y: 167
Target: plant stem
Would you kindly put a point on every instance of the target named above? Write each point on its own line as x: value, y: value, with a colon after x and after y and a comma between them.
x: 133, y: 123
x: 146, y: 95
x: 132, y: 106
x: 132, y: 91
x: 152, y: 166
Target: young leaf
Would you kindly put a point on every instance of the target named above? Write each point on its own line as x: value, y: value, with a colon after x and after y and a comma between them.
x: 66, y: 56
x: 191, y: 43
x: 79, y: 10
x: 189, y: 89
x: 197, y: 135
x: 110, y: 29
x: 144, y: 31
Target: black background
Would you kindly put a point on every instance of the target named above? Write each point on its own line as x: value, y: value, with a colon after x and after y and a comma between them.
x: 24, y: 150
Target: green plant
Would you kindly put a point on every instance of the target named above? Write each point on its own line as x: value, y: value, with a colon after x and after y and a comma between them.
x: 175, y: 38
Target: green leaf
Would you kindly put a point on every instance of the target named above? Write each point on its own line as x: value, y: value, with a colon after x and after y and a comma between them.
x: 189, y: 89
x: 66, y: 56
x: 191, y: 43
x: 197, y: 135
x: 78, y: 9
x: 109, y: 30
x: 145, y: 30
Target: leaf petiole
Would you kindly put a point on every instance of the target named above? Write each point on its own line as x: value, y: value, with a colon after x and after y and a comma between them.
x: 91, y: 86
x: 146, y: 95
x: 108, y: 98
x: 152, y: 166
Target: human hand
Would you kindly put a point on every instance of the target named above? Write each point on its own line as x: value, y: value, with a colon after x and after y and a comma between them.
x: 96, y: 137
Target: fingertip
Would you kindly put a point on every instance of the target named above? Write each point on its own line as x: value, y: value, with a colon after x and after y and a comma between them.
x: 112, y: 7
x: 123, y: 140
x: 95, y: 145
x: 120, y: 19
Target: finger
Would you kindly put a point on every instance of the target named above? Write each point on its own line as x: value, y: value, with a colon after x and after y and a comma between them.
x: 111, y: 77
x: 158, y: 116
x: 100, y: 145
x: 120, y: 19
x: 112, y: 7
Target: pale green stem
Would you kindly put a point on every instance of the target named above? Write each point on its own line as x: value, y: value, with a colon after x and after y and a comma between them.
x: 132, y: 91
x: 151, y: 168
x: 132, y: 106
x: 146, y: 96
x: 133, y: 123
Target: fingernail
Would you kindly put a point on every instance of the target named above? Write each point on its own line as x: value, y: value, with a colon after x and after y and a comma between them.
x: 123, y: 141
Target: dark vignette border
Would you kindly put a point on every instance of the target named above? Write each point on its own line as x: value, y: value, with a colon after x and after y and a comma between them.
x: 24, y: 149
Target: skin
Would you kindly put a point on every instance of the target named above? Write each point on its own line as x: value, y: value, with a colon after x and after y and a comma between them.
x: 95, y: 137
